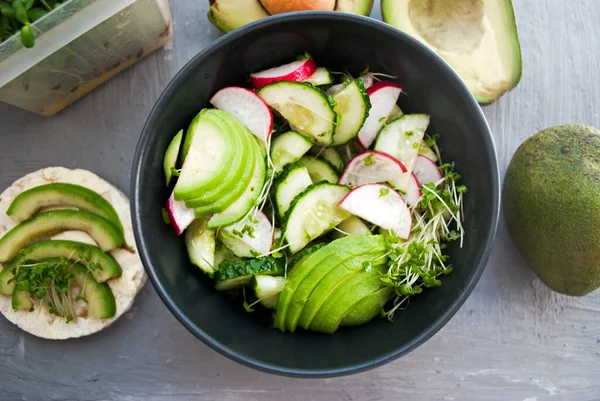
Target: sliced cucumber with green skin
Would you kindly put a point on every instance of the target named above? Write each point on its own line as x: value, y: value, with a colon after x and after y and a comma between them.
x: 321, y: 76
x: 98, y: 296
x: 75, y: 251
x: 351, y: 226
x: 288, y: 148
x: 21, y: 300
x: 426, y: 151
x: 402, y: 137
x: 212, y: 149
x: 233, y: 274
x: 106, y: 234
x: 352, y: 105
x: 200, y: 244
x: 238, y: 209
x: 291, y: 182
x: 306, y: 108
x: 171, y: 157
x: 222, y: 253
x: 313, y: 213
x: 367, y: 308
x: 332, y: 155
x: 29, y: 203
x: 218, y: 198
x: 267, y: 289
x: 320, y: 169
x: 6, y: 275
x: 250, y: 237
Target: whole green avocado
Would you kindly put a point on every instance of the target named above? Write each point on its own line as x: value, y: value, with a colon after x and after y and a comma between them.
x: 551, y: 203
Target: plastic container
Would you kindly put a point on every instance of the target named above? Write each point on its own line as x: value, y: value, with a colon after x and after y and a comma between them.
x: 79, y: 46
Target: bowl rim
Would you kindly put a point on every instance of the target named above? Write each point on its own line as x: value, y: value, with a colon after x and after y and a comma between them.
x: 142, y: 148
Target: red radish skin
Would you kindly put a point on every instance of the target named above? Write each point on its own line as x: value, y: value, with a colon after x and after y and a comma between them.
x: 426, y: 170
x: 247, y: 107
x: 295, y: 71
x: 179, y: 215
x: 413, y: 193
x: 381, y: 205
x: 383, y: 96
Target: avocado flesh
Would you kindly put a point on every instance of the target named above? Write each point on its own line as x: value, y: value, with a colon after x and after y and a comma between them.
x: 29, y: 202
x: 367, y: 308
x: 346, y: 253
x: 6, y: 275
x: 21, y: 300
x: 98, y: 296
x: 360, y: 7
x: 75, y: 251
x: 228, y: 15
x: 477, y: 38
x: 340, y: 302
x: 327, y: 286
x: 551, y: 201
x: 45, y: 224
x: 238, y: 174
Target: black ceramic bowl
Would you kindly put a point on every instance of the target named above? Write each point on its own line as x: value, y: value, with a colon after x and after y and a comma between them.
x: 341, y: 42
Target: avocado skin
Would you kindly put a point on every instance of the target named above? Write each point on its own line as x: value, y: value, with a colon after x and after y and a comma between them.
x: 551, y: 203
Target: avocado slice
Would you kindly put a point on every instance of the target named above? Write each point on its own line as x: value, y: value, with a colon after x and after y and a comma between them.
x: 6, y: 275
x: 349, y: 252
x: 171, y: 154
x: 360, y: 7
x: 334, y: 279
x: 340, y: 302
x: 45, y: 224
x: 367, y: 308
x: 29, y: 202
x: 86, y: 254
x: 21, y: 300
x: 477, y: 38
x: 228, y: 15
x: 98, y: 296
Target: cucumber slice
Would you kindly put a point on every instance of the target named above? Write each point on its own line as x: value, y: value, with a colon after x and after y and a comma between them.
x: 321, y: 76
x: 200, y: 244
x: 212, y: 149
x: 402, y: 137
x: 306, y: 108
x: 352, y: 105
x: 238, y: 209
x: 287, y: 148
x: 396, y: 113
x: 292, y: 181
x: 332, y: 155
x: 170, y: 159
x: 218, y: 198
x: 250, y: 237
x: 72, y: 250
x: 232, y: 274
x: 28, y: 203
x: 313, y: 213
x: 222, y: 253
x: 267, y: 289
x: 351, y: 226
x: 426, y: 151
x: 319, y: 169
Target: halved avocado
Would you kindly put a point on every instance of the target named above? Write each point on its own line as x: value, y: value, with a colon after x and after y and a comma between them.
x: 29, y: 202
x: 228, y: 15
x: 367, y: 308
x: 86, y: 254
x: 477, y: 38
x: 360, y: 7
x: 45, y: 224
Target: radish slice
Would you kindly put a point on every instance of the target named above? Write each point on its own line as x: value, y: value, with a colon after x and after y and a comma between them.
x: 368, y: 80
x: 426, y: 170
x: 413, y: 193
x: 247, y: 107
x: 383, y: 96
x: 250, y: 237
x: 380, y: 205
x: 180, y: 215
x: 372, y: 167
x: 294, y: 71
